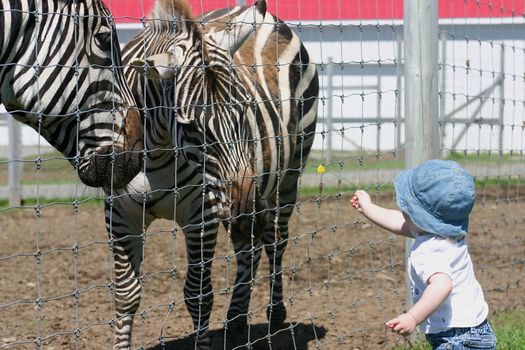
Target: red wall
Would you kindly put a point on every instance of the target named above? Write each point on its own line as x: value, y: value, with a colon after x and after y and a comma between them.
x: 133, y: 10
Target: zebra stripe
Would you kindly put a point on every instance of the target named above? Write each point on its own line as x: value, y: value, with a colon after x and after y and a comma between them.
x: 229, y: 122
x: 59, y: 74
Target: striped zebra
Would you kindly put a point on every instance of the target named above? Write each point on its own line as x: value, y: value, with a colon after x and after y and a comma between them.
x: 230, y: 119
x: 61, y: 74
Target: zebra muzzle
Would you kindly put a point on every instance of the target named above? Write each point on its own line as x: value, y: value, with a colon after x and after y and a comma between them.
x: 114, y: 166
x: 110, y: 167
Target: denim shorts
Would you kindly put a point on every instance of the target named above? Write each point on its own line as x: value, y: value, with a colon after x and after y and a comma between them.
x: 479, y: 337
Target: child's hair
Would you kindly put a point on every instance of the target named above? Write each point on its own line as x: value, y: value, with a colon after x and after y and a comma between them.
x: 438, y: 196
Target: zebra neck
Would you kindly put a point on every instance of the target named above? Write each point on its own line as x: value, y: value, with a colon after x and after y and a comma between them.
x: 19, y: 23
x: 18, y: 37
x: 223, y: 121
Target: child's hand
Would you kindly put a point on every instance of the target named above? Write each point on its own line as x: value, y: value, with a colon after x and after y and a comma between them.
x: 403, y: 324
x: 360, y: 199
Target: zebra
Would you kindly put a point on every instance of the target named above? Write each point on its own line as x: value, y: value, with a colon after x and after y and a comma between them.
x: 61, y: 74
x: 229, y: 119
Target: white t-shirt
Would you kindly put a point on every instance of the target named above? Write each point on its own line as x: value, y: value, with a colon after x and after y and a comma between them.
x: 466, y: 305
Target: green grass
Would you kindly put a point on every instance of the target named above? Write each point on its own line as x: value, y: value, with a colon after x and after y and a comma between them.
x: 353, y: 161
x: 50, y: 158
x: 318, y: 191
x: 502, y: 181
x: 46, y: 168
x: 486, y: 157
x: 507, y: 325
x: 42, y: 202
x: 305, y: 192
x: 359, y: 161
x: 54, y: 169
x: 490, y: 184
x: 509, y: 329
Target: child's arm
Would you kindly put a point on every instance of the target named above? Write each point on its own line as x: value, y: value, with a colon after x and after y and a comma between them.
x: 389, y: 219
x: 438, y: 289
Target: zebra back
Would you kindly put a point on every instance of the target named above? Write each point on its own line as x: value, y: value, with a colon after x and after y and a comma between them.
x: 275, y: 67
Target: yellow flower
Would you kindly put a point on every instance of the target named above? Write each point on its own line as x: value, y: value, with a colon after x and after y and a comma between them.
x: 321, y: 169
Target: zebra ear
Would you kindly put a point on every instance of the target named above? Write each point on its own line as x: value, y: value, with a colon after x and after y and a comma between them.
x: 240, y: 27
x: 156, y: 67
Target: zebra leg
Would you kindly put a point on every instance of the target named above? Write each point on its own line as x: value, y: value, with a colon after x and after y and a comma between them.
x: 275, y: 245
x: 127, y: 288
x: 248, y: 258
x: 275, y: 240
x: 126, y: 245
x: 201, y: 238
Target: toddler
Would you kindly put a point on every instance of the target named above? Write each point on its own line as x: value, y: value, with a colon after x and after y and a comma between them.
x: 436, y: 199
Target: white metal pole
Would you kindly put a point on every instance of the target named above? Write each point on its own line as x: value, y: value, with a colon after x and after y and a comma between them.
x: 329, y: 108
x: 14, y: 168
x: 502, y: 102
x: 442, y: 98
x: 421, y: 89
x: 399, y: 73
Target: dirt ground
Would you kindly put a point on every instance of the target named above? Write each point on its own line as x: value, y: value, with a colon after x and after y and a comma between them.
x: 343, y: 277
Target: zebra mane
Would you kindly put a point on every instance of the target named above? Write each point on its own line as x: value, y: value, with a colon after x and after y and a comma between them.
x: 167, y: 10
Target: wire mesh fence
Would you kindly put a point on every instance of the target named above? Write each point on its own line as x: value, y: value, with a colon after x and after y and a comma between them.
x: 81, y: 267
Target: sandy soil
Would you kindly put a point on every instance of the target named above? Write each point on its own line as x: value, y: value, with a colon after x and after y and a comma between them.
x: 343, y: 277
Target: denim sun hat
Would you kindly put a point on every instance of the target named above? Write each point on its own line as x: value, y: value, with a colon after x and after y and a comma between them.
x: 438, y: 196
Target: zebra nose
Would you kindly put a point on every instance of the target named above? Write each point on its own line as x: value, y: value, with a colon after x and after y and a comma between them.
x: 114, y: 166
x: 110, y: 167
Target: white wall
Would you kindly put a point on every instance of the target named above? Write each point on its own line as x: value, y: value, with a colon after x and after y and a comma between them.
x: 29, y: 136
x: 472, y: 64
x: 364, y: 85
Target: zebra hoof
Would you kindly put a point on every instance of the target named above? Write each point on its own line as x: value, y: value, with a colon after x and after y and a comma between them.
x: 237, y: 333
x: 203, y: 342
x: 276, y: 315
x: 237, y: 324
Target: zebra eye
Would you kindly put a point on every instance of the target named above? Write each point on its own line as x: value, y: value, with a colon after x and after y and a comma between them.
x: 103, y: 40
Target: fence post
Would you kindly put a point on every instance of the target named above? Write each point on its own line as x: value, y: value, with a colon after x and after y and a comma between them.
x: 329, y: 108
x: 502, y: 97
x: 399, y: 73
x: 421, y: 90
x: 441, y: 94
x: 14, y: 169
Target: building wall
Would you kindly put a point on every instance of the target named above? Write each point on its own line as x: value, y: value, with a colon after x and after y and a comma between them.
x: 365, y: 99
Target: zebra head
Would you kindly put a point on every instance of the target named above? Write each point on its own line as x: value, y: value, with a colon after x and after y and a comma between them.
x: 62, y: 75
x: 193, y: 61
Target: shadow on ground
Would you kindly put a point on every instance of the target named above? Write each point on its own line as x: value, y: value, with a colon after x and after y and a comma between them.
x: 291, y: 336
